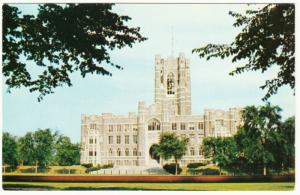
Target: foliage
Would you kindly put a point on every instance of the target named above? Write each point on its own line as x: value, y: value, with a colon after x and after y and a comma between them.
x: 61, y: 39
x: 67, y: 153
x: 267, y: 39
x: 9, y: 149
x: 171, y: 168
x: 107, y: 166
x: 259, y: 138
x: 170, y: 145
x: 222, y: 150
x: 26, y: 149
x: 87, y: 165
x: 195, y: 165
x: 209, y: 171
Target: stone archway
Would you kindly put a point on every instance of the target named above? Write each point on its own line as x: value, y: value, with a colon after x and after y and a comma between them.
x: 152, y: 152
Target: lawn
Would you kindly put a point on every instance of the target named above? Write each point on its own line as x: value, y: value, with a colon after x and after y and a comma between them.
x: 284, y: 186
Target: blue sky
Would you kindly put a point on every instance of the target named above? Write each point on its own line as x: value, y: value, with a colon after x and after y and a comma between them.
x: 194, y: 25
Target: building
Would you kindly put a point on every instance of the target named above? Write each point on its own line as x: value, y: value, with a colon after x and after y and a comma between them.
x: 126, y: 140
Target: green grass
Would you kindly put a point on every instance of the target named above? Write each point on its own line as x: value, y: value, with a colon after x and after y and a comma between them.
x: 284, y: 186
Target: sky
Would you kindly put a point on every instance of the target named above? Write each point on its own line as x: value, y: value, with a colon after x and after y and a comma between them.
x: 194, y: 25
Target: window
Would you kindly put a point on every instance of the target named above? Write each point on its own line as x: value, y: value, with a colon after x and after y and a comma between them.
x: 110, y: 140
x: 126, y: 139
x: 95, y: 153
x: 111, y: 128
x: 192, y: 151
x: 90, y: 153
x: 126, y: 152
x: 153, y: 125
x: 182, y: 126
x: 119, y: 128
x: 119, y: 152
x: 95, y: 140
x: 91, y: 141
x: 191, y: 126
x: 135, y: 139
x: 134, y: 128
x: 126, y: 128
x: 110, y: 152
x: 200, y: 125
x: 174, y: 126
x: 170, y: 84
x: 134, y: 152
x: 92, y: 126
x: 118, y: 139
x: 200, y: 152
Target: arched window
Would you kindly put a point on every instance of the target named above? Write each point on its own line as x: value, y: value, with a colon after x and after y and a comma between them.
x: 170, y: 84
x: 153, y: 125
x: 119, y: 152
x: 110, y: 152
x: 134, y: 152
x: 126, y: 152
x: 192, y: 151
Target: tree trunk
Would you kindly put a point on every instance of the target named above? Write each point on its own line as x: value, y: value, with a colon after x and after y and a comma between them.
x: 220, y: 170
x: 36, y: 166
x: 175, y: 166
x: 265, y: 171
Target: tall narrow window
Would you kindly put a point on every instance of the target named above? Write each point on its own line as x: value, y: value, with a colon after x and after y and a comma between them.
x: 126, y: 152
x: 110, y: 128
x: 135, y: 139
x: 134, y: 152
x: 170, y: 84
x: 192, y: 152
x: 119, y: 152
x: 110, y: 139
x: 110, y: 152
x: 118, y: 139
x: 174, y: 126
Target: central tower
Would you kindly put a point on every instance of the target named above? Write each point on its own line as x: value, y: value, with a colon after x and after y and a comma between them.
x: 172, y: 83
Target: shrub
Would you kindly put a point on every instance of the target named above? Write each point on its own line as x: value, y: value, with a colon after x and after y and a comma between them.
x: 195, y: 165
x: 210, y: 171
x: 171, y: 168
x: 107, y: 166
x: 88, y: 170
x: 87, y: 165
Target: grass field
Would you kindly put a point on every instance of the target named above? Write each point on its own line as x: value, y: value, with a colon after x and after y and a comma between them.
x: 284, y: 186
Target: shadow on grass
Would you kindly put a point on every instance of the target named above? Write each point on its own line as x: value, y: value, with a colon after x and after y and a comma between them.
x: 26, y: 187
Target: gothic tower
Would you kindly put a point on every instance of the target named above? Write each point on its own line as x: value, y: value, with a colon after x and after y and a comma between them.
x: 172, y: 83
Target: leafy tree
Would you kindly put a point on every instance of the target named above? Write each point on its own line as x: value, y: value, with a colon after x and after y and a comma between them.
x: 9, y: 149
x: 67, y: 153
x: 258, y: 139
x: 60, y: 40
x: 267, y: 39
x: 44, y: 146
x: 170, y: 145
x: 37, y: 147
x: 26, y: 149
x: 222, y: 151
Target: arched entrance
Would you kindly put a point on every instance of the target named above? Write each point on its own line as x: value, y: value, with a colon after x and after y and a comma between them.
x: 153, y: 152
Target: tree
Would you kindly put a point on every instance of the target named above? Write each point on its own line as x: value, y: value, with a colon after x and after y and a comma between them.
x: 258, y: 138
x: 267, y: 39
x: 67, y: 153
x: 170, y: 145
x: 37, y: 147
x: 222, y: 150
x: 26, y: 149
x: 44, y: 146
x: 60, y: 40
x: 9, y: 149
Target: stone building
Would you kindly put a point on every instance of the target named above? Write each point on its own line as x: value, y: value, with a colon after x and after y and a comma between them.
x: 126, y: 140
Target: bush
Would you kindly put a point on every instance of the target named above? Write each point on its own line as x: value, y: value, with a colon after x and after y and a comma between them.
x: 195, y: 165
x: 88, y: 170
x: 107, y: 166
x: 171, y: 168
x: 87, y: 165
x: 210, y: 171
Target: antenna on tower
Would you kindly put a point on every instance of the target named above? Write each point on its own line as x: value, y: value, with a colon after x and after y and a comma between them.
x: 172, y: 41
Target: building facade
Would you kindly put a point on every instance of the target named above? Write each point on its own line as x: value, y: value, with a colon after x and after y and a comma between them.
x: 126, y: 140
